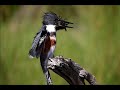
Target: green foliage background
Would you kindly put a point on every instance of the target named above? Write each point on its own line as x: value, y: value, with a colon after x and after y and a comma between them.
x: 94, y: 42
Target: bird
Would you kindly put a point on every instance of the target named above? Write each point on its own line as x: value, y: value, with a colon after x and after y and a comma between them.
x: 44, y: 42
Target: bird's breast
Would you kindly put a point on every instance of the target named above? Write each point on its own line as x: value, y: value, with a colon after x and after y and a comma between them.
x: 53, y: 41
x: 49, y: 42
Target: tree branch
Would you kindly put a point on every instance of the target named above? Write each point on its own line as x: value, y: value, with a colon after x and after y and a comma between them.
x: 73, y: 73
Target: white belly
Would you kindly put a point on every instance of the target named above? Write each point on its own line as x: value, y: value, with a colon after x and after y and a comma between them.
x: 51, y: 52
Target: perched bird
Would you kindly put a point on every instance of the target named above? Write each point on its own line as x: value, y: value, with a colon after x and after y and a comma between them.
x: 44, y: 42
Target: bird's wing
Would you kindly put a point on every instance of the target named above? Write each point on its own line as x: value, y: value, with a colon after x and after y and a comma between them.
x: 38, y: 43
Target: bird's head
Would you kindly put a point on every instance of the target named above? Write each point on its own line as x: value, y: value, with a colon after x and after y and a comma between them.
x: 53, y: 19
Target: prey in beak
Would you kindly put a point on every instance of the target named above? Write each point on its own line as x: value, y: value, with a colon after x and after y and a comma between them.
x: 62, y: 24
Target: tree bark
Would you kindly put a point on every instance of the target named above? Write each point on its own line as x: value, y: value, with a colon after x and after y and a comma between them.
x: 73, y: 73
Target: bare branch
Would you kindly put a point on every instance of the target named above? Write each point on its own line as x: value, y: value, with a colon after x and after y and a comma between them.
x: 73, y: 73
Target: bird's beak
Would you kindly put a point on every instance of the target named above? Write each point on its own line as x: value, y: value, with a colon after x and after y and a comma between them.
x: 66, y: 25
x: 62, y: 24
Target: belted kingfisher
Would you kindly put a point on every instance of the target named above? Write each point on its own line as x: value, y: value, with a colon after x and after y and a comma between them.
x: 44, y: 42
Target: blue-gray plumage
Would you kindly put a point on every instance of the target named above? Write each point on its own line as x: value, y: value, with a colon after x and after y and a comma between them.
x: 44, y: 42
x: 38, y: 43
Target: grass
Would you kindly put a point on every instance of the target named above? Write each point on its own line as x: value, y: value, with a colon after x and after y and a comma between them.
x: 93, y: 43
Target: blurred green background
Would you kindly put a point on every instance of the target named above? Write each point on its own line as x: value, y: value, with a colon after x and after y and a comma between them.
x: 93, y: 43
